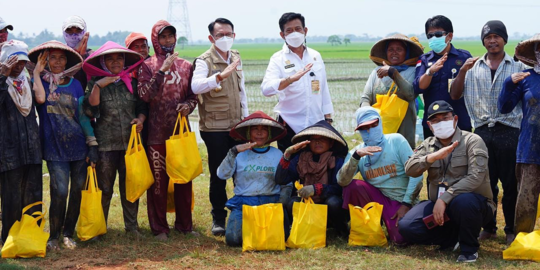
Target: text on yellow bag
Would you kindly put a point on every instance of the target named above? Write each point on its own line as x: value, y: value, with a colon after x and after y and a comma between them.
x: 26, y: 239
x: 262, y: 227
x: 139, y: 176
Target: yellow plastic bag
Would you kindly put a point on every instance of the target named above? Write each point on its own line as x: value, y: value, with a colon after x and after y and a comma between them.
x: 392, y: 109
x: 91, y: 218
x: 139, y: 176
x: 262, y: 227
x: 170, y: 198
x: 526, y: 246
x: 309, y: 224
x: 366, y: 227
x: 183, y: 160
x: 26, y: 239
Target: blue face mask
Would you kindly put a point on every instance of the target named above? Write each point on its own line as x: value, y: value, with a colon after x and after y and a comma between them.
x: 438, y: 44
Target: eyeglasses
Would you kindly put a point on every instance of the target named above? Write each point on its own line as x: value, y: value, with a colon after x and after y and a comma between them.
x: 436, y: 34
x: 220, y: 35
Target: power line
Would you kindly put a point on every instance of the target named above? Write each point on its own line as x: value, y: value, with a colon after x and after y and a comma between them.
x: 177, y: 15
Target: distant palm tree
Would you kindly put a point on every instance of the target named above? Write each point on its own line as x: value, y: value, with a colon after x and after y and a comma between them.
x: 182, y: 41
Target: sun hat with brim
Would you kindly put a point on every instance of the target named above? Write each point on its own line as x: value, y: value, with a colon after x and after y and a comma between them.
x: 323, y: 128
x: 378, y: 51
x: 258, y: 118
x: 173, y: 29
x: 4, y: 24
x: 130, y: 57
x: 14, y: 48
x: 525, y: 51
x: 366, y: 123
x: 73, y: 57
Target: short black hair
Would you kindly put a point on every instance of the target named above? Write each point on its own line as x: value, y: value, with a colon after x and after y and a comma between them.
x: 219, y: 20
x: 290, y: 16
x: 439, y: 21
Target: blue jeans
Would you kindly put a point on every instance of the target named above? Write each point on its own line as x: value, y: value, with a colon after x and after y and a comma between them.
x: 60, y: 173
x: 233, y: 233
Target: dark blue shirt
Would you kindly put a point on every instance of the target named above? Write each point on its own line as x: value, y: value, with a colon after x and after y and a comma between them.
x: 528, y: 92
x: 62, y: 137
x: 438, y: 88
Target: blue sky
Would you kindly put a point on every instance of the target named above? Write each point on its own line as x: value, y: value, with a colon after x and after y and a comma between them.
x: 255, y: 18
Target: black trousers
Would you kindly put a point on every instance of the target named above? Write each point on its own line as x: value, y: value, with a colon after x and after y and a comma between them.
x: 20, y: 187
x: 285, y: 142
x: 501, y: 142
x: 217, y: 146
x: 468, y: 212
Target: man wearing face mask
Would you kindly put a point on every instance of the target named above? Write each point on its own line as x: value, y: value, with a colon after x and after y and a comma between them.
x: 4, y: 26
x: 480, y: 82
x: 436, y: 69
x: 459, y: 191
x: 297, y: 75
x: 218, y: 79
x: 76, y: 37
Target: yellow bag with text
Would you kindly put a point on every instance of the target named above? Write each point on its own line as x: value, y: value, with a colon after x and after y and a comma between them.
x: 26, y: 239
x: 366, y: 227
x: 526, y: 246
x: 91, y: 218
x: 309, y: 224
x: 170, y: 198
x: 183, y: 160
x: 139, y: 176
x: 392, y: 109
x: 262, y: 227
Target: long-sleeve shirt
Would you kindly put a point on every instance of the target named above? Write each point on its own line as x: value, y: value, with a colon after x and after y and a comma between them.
x: 254, y: 171
x: 388, y: 173
x: 287, y: 172
x: 300, y: 104
x: 481, y: 93
x: 438, y: 88
x: 464, y: 171
x: 376, y: 86
x: 117, y: 108
x: 19, y: 135
x: 527, y: 92
x: 201, y: 84
x: 164, y: 93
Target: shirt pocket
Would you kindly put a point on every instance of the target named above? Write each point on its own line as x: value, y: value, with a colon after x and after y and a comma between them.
x: 218, y: 115
x: 295, y: 86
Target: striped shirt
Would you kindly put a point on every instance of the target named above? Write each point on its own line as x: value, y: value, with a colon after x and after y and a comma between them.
x: 481, y: 93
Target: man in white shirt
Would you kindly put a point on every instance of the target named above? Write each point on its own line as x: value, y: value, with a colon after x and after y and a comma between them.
x: 218, y: 81
x: 297, y: 75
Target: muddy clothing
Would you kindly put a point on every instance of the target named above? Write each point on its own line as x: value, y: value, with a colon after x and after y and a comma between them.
x: 464, y: 171
x: 117, y: 108
x: 221, y: 109
x: 164, y: 91
x: 527, y: 201
x: 19, y: 135
x: 109, y: 164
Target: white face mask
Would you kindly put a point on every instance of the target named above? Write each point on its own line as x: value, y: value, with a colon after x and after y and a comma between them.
x: 295, y: 39
x: 224, y: 44
x: 444, y: 129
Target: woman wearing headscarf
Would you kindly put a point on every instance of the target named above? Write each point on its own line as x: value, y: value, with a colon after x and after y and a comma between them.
x: 524, y: 87
x: 112, y: 99
x: 314, y: 160
x: 20, y: 150
x: 396, y: 57
x: 63, y: 142
x: 380, y: 159
x: 253, y: 166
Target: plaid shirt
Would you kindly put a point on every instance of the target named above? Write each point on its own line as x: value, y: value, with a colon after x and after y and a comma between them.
x: 481, y: 93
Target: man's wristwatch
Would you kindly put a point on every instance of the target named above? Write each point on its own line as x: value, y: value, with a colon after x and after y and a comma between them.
x: 428, y: 72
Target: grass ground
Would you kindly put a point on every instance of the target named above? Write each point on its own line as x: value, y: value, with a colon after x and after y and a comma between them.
x: 116, y: 251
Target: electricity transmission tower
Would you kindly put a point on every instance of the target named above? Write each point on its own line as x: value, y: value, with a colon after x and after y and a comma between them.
x: 177, y: 15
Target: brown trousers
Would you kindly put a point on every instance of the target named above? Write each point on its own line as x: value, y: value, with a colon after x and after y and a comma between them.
x: 528, y: 178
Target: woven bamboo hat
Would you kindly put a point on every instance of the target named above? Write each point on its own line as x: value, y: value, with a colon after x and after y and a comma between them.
x: 73, y: 57
x: 130, y: 57
x: 258, y: 118
x: 525, y: 50
x: 322, y: 128
x: 378, y: 51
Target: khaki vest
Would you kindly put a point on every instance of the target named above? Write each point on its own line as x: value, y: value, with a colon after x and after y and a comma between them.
x: 220, y: 110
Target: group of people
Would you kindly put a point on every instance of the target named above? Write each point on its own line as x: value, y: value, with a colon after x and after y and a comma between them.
x: 87, y: 101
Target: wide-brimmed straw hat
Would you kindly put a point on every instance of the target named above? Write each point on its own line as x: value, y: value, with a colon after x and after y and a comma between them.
x: 258, y: 118
x: 378, y: 51
x: 130, y: 57
x: 322, y: 128
x: 73, y: 57
x: 525, y: 50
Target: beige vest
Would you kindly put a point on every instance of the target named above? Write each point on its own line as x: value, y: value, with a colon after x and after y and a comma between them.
x: 220, y: 110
